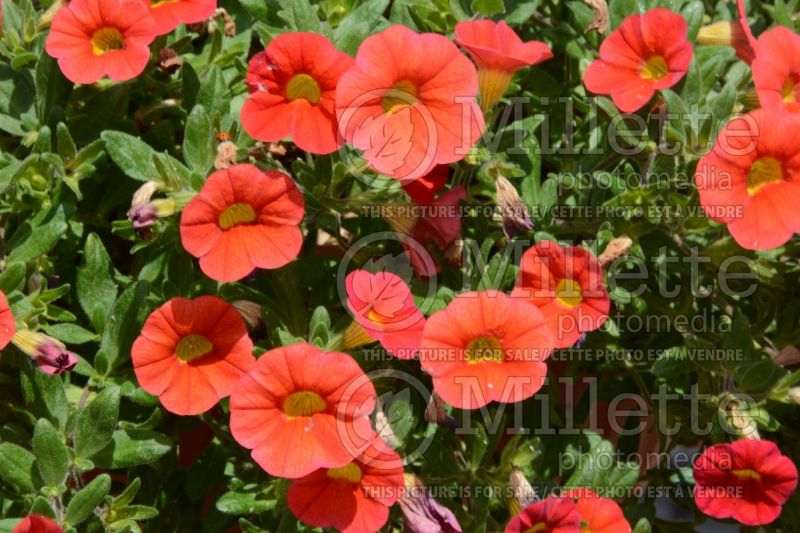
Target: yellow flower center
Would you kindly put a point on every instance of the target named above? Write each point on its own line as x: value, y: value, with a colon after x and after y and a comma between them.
x: 193, y: 346
x: 765, y: 170
x: 484, y: 349
x: 537, y: 528
x: 375, y: 316
x: 788, y: 91
x: 162, y: 2
x: 350, y: 473
x: 654, y: 68
x: 107, y: 39
x: 747, y: 474
x: 303, y: 403
x: 237, y: 214
x: 303, y: 86
x: 401, y: 95
x: 568, y: 292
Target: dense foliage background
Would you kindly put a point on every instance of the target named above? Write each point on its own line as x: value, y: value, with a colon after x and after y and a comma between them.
x: 93, y: 449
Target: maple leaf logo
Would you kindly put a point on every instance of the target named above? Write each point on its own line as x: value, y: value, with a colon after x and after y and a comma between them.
x: 389, y: 140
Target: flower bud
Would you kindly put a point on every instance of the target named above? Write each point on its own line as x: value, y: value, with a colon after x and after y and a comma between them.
x: 50, y: 354
x: 616, y: 248
x: 422, y: 513
x: 524, y: 494
x: 250, y: 311
x: 515, y: 214
x: 144, y: 212
x: 384, y: 429
x: 788, y: 356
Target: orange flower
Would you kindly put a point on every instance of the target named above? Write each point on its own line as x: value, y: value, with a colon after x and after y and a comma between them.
x: 354, y: 498
x: 598, y: 515
x: 7, y: 324
x: 735, y: 33
x: 37, y: 524
x: 96, y: 38
x: 645, y: 54
x: 169, y: 14
x: 292, y: 86
x: 551, y: 515
x: 409, y: 103
x: 423, y: 190
x: 244, y: 218
x: 486, y: 346
x: 302, y: 409
x: 566, y: 284
x: 776, y: 69
x: 498, y: 52
x: 751, y: 179
x: 382, y: 304
x: 191, y: 353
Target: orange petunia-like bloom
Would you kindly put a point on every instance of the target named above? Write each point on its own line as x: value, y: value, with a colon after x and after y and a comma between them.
x: 566, y: 284
x: 8, y: 325
x: 169, y: 14
x: 302, y: 409
x: 598, y: 515
x: 191, y: 353
x: 37, y: 524
x: 485, y: 346
x: 292, y: 87
x: 409, y: 103
x: 776, y: 70
x: 354, y: 498
x: 96, y: 38
x: 244, y: 218
x: 551, y: 515
x: 735, y: 33
x: 498, y: 52
x: 383, y: 307
x: 751, y: 179
x: 645, y: 54
x: 747, y: 480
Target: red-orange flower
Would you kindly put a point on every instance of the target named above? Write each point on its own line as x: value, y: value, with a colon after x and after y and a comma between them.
x: 169, y: 14
x: 96, y: 38
x: 735, y: 33
x: 486, y: 346
x: 776, y: 69
x: 645, y: 54
x: 292, y: 88
x: 551, y: 515
x: 747, y: 480
x: 302, y: 409
x: 409, y: 102
x: 354, y: 498
x: 37, y: 524
x: 498, y: 52
x: 382, y: 304
x: 751, y: 179
x: 191, y: 353
x: 423, y: 190
x: 566, y: 284
x: 8, y: 325
x: 244, y: 218
x: 598, y: 515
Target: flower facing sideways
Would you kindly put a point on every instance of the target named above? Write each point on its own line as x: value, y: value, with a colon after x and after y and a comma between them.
x: 747, y: 480
x: 244, y: 218
x: 96, y: 38
x: 49, y: 354
x: 645, y: 54
x: 191, y: 353
x: 566, y: 284
x: 292, y: 86
x: 382, y: 304
x: 498, y: 53
x: 169, y: 14
x: 302, y: 409
x: 751, y: 179
x: 776, y: 70
x: 353, y: 498
x: 484, y: 347
x: 409, y: 103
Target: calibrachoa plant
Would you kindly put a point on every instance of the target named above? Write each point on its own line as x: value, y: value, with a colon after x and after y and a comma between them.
x: 399, y: 265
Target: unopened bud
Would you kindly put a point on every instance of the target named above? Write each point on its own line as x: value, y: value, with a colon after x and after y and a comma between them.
x: 523, y: 492
x: 169, y: 61
x: 50, y: 354
x: 435, y: 413
x: 743, y: 422
x: 616, y: 248
x: 422, y: 513
x: 516, y: 217
x: 384, y: 429
x: 250, y: 311
x: 788, y: 356
x: 143, y: 217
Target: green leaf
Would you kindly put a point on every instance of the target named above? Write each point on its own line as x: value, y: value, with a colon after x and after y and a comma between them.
x: 132, y: 155
x: 52, y: 90
x: 13, y: 277
x: 37, y: 236
x: 84, y: 502
x: 70, y: 333
x: 239, y: 503
x: 52, y: 456
x: 782, y: 15
x: 488, y: 7
x: 44, y: 395
x: 17, y: 467
x: 596, y: 470
x: 214, y: 94
x: 95, y: 282
x: 319, y: 329
x: 358, y: 25
x: 122, y: 326
x: 300, y: 15
x: 132, y: 447
x: 258, y: 8
x: 198, y: 140
x: 96, y: 423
